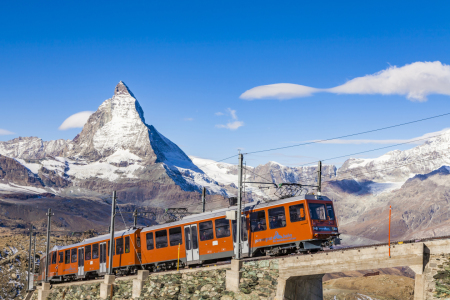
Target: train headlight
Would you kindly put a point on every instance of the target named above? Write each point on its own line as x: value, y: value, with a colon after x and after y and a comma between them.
x: 315, y: 228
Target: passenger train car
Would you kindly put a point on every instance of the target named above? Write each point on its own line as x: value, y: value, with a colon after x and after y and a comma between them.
x: 292, y: 225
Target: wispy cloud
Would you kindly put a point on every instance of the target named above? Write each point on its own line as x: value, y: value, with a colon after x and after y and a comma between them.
x: 416, y: 81
x: 5, y: 132
x: 188, y: 119
x: 234, y: 123
x: 416, y: 140
x: 219, y: 113
x: 76, y: 120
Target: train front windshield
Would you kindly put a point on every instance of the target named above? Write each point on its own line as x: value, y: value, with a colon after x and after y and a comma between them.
x: 317, y: 211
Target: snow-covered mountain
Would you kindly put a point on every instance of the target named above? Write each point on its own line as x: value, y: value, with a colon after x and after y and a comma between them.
x: 116, y: 149
x: 398, y: 166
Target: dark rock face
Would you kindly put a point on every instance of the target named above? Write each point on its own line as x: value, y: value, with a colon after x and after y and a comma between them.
x: 13, y: 172
x: 51, y: 178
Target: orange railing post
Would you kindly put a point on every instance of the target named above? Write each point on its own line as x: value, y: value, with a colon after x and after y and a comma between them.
x: 178, y: 263
x: 390, y: 230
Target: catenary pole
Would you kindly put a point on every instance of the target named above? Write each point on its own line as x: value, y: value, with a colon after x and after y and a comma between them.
x: 29, y: 259
x: 47, y: 258
x: 111, y: 239
x: 135, y: 215
x: 390, y: 230
x: 34, y: 255
x: 319, y: 178
x: 203, y: 199
x: 239, y: 201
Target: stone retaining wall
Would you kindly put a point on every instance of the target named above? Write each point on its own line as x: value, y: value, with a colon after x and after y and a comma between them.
x: 259, y: 281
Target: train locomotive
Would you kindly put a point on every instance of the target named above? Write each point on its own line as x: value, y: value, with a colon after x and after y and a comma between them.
x: 293, y: 225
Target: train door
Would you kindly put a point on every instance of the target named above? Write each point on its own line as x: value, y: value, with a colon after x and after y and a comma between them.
x: 191, y: 243
x: 81, y: 261
x: 244, y: 237
x: 102, y: 258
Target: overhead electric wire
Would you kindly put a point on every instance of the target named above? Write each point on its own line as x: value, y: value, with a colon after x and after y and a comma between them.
x: 349, y: 135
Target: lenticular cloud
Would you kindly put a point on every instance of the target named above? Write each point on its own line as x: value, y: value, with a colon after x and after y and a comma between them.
x: 76, y: 120
x: 416, y: 81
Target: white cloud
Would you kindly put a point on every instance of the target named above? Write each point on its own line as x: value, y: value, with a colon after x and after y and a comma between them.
x: 219, y: 113
x: 416, y: 81
x: 416, y: 140
x: 188, y: 119
x: 234, y: 123
x: 278, y: 91
x: 76, y: 120
x: 5, y: 132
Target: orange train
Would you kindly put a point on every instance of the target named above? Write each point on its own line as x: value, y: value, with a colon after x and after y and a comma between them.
x: 292, y: 225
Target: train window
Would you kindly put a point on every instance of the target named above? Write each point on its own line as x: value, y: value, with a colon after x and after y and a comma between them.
x: 119, y: 246
x: 94, y: 251
x: 297, y: 212
x: 243, y: 229
x: 277, y: 217
x: 194, y: 237
x: 61, y: 257
x: 67, y: 257
x: 317, y: 211
x: 206, y: 231
x: 87, y: 252
x: 330, y: 211
x: 127, y: 244
x: 187, y: 238
x: 175, y: 236
x: 54, y: 258
x: 222, y: 228
x: 74, y: 255
x: 161, y: 239
x: 258, y: 221
x: 138, y: 241
x: 107, y: 250
x: 149, y: 237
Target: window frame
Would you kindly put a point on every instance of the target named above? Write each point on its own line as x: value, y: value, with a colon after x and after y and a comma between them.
x: 61, y: 257
x: 258, y: 219
x: 54, y: 255
x: 277, y: 216
x: 226, y: 228
x: 127, y: 244
x: 299, y: 218
x: 119, y: 243
x: 88, y: 250
x: 175, y: 242
x: 94, y: 248
x: 161, y: 245
x: 67, y: 257
x: 152, y: 239
x: 329, y: 206
x: 206, y: 229
x: 73, y: 253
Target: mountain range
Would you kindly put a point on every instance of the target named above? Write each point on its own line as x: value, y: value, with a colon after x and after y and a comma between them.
x: 118, y: 150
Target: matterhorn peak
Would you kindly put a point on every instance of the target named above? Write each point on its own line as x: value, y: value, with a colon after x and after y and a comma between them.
x: 122, y: 89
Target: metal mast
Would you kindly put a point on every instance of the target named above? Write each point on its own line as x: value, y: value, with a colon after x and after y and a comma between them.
x: 135, y: 215
x: 319, y: 178
x: 47, y: 258
x: 29, y: 259
x: 203, y: 199
x: 239, y: 201
x: 111, y: 239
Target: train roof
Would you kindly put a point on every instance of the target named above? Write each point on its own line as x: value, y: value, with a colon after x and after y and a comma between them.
x: 222, y: 211
x: 96, y: 239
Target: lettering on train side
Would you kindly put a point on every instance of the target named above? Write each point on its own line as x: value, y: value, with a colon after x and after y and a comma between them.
x: 277, y: 238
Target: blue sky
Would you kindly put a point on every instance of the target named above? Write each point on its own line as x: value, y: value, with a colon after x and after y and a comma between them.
x: 190, y: 60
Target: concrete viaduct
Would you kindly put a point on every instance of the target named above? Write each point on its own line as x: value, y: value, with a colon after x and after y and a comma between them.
x: 300, y: 276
